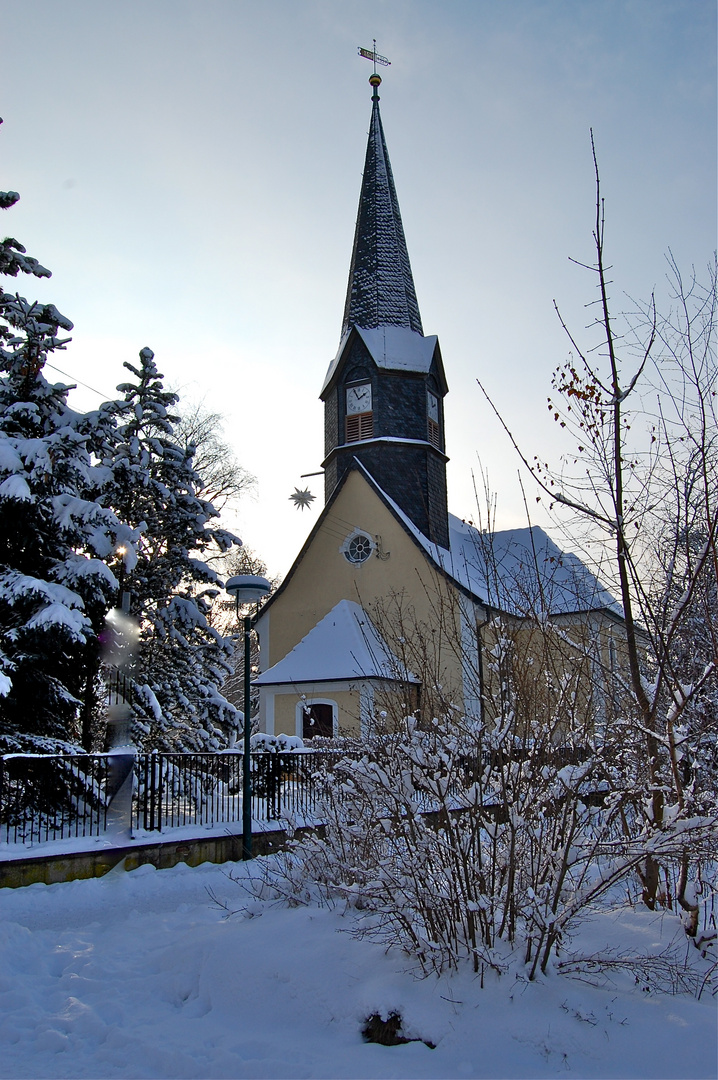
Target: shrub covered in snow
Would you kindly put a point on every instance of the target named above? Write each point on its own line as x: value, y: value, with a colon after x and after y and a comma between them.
x: 483, y: 838
x: 274, y: 744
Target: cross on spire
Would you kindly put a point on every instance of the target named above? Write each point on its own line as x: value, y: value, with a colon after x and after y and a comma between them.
x: 372, y: 54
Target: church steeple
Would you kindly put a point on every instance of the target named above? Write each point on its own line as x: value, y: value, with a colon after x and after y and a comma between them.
x: 383, y: 393
x: 381, y: 287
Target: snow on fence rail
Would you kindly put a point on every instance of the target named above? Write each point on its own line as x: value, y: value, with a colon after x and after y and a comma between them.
x: 45, y: 797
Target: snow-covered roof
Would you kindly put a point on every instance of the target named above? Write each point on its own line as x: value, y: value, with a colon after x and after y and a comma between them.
x: 519, y: 571
x: 343, y: 645
x: 392, y: 348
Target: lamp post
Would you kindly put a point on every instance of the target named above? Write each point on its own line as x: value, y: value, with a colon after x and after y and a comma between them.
x: 247, y: 589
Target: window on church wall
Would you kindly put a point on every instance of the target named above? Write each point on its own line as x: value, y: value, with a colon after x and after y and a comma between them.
x: 434, y: 437
x: 360, y: 426
x: 432, y: 410
x: 360, y: 417
x: 357, y: 547
x: 318, y: 719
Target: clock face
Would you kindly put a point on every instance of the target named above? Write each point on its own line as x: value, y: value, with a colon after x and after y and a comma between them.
x: 359, y: 398
x: 432, y: 406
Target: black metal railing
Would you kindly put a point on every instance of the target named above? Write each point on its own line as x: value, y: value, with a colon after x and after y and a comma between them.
x: 172, y: 790
x: 52, y: 796
x: 62, y: 796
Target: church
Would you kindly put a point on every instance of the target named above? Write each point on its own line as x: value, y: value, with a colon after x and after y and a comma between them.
x: 393, y: 605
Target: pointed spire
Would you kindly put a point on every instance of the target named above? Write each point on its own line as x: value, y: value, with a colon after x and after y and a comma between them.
x: 381, y: 287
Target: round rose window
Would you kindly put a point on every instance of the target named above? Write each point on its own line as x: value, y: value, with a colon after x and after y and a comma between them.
x: 358, y: 548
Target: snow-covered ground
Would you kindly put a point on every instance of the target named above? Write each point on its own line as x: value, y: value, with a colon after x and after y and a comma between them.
x: 141, y: 975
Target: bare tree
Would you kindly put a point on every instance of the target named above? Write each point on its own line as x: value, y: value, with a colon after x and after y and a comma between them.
x: 639, y: 399
x: 222, y: 480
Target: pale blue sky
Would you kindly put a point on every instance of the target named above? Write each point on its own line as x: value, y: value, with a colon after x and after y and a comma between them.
x: 190, y: 173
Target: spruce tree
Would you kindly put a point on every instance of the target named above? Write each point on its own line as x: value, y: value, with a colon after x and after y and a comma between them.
x: 54, y: 534
x: 182, y: 659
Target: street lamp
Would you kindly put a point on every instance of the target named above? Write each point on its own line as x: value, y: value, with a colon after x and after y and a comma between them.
x: 247, y: 589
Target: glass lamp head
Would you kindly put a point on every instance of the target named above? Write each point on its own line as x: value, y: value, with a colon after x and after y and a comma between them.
x: 248, y: 588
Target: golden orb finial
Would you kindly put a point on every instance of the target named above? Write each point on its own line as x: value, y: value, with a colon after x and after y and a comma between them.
x: 373, y: 55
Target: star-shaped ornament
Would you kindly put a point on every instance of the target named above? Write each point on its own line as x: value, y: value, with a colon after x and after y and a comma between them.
x: 302, y: 499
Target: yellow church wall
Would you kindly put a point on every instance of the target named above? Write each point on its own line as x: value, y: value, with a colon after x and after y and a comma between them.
x: 325, y: 576
x: 561, y: 675
x: 432, y: 628
x: 387, y: 703
x: 346, y: 701
x: 398, y: 566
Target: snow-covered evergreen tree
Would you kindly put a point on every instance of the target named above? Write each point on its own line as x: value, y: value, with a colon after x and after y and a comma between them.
x: 183, y: 660
x: 54, y: 534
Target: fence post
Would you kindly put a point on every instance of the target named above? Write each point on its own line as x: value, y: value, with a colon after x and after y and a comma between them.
x: 151, y: 783
x: 160, y: 790
x: 273, y: 785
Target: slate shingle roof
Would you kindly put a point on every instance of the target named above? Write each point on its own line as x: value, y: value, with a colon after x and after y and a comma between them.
x: 381, y: 287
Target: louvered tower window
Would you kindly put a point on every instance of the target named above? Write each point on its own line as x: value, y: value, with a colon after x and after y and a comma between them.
x: 432, y: 411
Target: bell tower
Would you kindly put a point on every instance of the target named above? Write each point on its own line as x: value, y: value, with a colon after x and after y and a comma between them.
x: 384, y: 391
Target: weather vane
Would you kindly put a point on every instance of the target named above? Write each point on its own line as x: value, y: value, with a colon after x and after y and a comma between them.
x: 373, y: 55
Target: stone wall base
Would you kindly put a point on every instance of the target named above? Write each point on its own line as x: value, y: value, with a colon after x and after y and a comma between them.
x: 162, y: 854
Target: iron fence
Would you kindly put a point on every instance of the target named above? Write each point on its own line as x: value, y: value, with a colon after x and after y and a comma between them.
x: 52, y: 796
x: 63, y: 796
